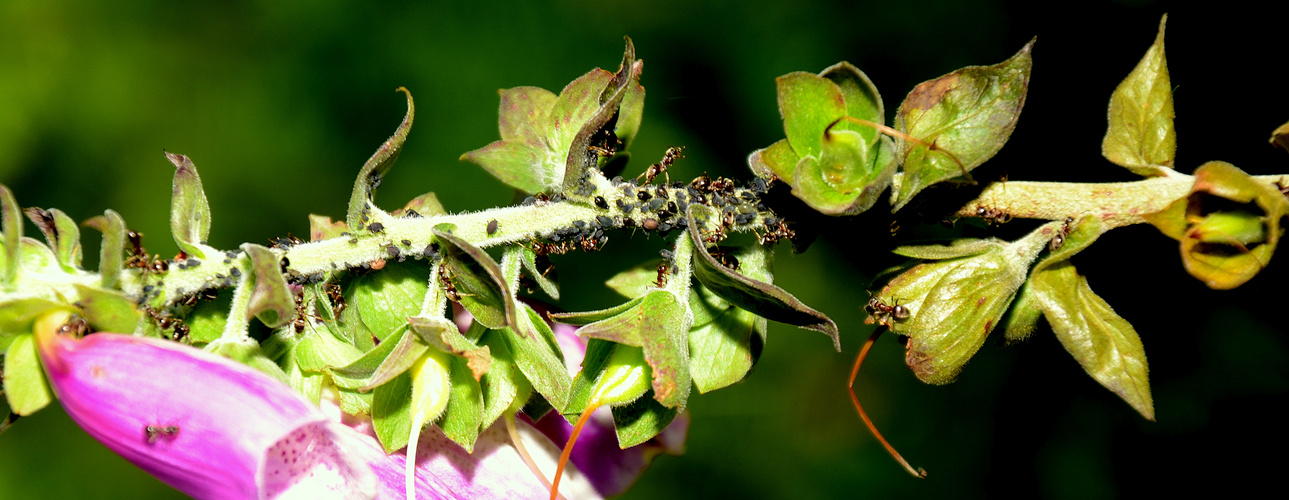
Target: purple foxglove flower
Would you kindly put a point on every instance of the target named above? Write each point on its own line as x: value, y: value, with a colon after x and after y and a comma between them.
x: 207, y: 426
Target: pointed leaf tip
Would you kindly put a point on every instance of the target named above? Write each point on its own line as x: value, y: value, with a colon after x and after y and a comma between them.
x: 1141, y: 135
x: 189, y: 209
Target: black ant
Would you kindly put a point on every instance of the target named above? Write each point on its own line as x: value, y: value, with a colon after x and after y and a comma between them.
x: 338, y: 304
x: 672, y: 154
x: 139, y: 259
x: 449, y: 288
x: 881, y: 312
x: 302, y: 312
x: 775, y: 232
x: 167, y: 322
x: 157, y: 431
x: 724, y: 257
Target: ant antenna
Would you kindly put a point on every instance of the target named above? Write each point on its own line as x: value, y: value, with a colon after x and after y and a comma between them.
x: 863, y: 352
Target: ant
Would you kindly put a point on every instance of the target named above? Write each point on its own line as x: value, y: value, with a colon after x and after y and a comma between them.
x: 775, y: 232
x: 449, y: 288
x: 139, y: 259
x: 663, y: 269
x: 672, y: 154
x: 167, y: 322
x: 302, y: 312
x: 1061, y: 235
x: 158, y: 431
x: 337, y: 297
x: 726, y: 258
x: 993, y: 216
x: 881, y: 312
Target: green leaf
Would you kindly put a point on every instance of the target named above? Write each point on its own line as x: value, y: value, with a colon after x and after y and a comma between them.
x: 112, y: 251
x: 17, y: 316
x: 24, y: 381
x: 862, y: 99
x: 529, y: 260
x: 580, y: 156
x: 524, y: 114
x: 758, y: 297
x: 503, y: 384
x: 376, y: 167
x: 538, y: 356
x: 483, y: 287
x: 778, y: 160
x: 966, y: 115
x: 408, y: 350
x: 189, y: 210
x: 427, y: 205
x: 206, y: 322
x: 809, y: 103
x: 848, y: 177
x: 964, y: 247
x: 320, y: 350
x: 519, y: 165
x: 1101, y: 341
x: 359, y: 373
x: 11, y: 223
x: 641, y: 420
x: 391, y: 412
x: 107, y: 310
x: 321, y: 227
x: 723, y: 349
x: 654, y: 324
x: 1141, y: 135
x: 443, y: 335
x: 1023, y: 317
x: 385, y: 300
x: 271, y: 301
x: 61, y: 233
x: 463, y: 416
x: 632, y: 283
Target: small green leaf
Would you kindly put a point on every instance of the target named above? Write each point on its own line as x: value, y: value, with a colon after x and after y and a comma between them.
x: 758, y: 297
x: 359, y: 373
x: 112, y: 252
x: 107, y: 310
x: 538, y: 356
x: 524, y: 114
x: 391, y: 412
x: 1101, y: 341
x: 1141, y: 136
x: 61, y: 233
x: 320, y: 350
x: 271, y: 301
x: 189, y: 210
x: 376, y: 167
x: 634, y: 282
x: 959, y: 121
x: 964, y: 247
x: 609, y: 101
x: 408, y: 349
x: 1023, y: 317
x: 862, y: 99
x: 443, y: 335
x: 206, y: 322
x: 641, y: 420
x: 503, y: 383
x: 386, y: 299
x: 24, y: 381
x: 426, y: 205
x: 529, y: 259
x: 722, y: 350
x: 463, y: 416
x: 321, y: 228
x: 588, y: 317
x: 479, y: 280
x: 654, y: 324
x: 11, y: 223
x: 809, y: 103
x: 778, y: 160
x: 519, y: 165
x: 17, y: 316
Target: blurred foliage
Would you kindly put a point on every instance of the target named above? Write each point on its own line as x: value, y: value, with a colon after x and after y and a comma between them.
x: 279, y: 104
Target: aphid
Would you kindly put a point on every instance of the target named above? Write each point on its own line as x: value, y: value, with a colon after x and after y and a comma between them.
x: 661, y: 192
x: 492, y: 227
x: 155, y: 432
x: 649, y: 224
x: 599, y: 202
x: 643, y: 195
x: 376, y: 227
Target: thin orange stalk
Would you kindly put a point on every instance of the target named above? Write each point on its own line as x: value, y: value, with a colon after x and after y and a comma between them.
x: 568, y: 448
x: 919, y: 472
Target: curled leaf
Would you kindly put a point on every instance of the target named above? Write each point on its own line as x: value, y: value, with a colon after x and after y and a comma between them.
x: 593, y: 131
x: 376, y: 167
x: 112, y: 252
x: 271, y: 301
x: 189, y: 210
x: 11, y: 223
x: 956, y: 122
x: 482, y: 286
x: 61, y: 233
x: 758, y: 297
x: 1141, y: 135
x: 656, y: 324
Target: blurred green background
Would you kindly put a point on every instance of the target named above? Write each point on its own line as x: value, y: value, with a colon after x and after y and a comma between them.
x: 279, y: 103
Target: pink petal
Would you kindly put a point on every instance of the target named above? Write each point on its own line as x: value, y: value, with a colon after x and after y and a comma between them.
x: 203, y: 424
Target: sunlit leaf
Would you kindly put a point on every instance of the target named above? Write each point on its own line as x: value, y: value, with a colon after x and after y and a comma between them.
x: 376, y: 167
x: 1141, y: 136
x: 112, y: 252
x: 189, y: 210
x: 107, y: 310
x: 271, y: 300
x: 11, y: 223
x: 25, y: 385
x: 959, y: 121
x: 61, y: 233
x: 641, y: 420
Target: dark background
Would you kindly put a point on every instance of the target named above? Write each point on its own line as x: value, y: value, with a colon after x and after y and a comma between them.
x: 279, y: 103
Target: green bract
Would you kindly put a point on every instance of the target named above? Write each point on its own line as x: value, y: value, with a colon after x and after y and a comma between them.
x: 546, y: 139
x: 1141, y: 135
